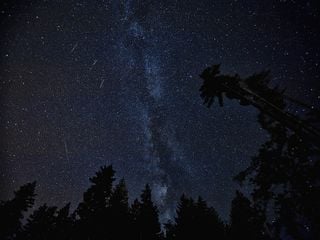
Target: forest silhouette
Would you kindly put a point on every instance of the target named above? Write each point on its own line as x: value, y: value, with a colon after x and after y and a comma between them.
x: 284, y: 175
x: 105, y: 213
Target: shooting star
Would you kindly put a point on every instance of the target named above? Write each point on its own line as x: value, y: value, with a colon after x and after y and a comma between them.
x: 66, y: 150
x: 101, y: 84
x: 74, y: 48
x: 94, y: 63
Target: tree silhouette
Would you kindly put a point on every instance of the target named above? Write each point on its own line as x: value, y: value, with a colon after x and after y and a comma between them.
x: 120, y: 219
x: 11, y: 211
x: 245, y: 221
x: 40, y: 224
x: 255, y: 90
x: 285, y: 172
x: 104, y: 213
x: 64, y: 223
x: 93, y: 211
x: 195, y: 220
x: 97, y: 196
x: 135, y: 216
x: 146, y: 219
x: 48, y: 223
x: 184, y: 220
x: 208, y: 222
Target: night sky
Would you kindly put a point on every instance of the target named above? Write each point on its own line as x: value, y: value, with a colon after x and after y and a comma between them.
x: 92, y: 83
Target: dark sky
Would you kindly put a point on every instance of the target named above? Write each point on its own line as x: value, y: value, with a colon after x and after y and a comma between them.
x: 92, y: 83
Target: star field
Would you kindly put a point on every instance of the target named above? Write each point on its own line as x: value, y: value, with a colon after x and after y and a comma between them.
x: 91, y: 83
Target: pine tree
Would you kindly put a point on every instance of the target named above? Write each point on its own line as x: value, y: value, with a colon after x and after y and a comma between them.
x: 64, y: 223
x: 48, y: 223
x: 208, y: 223
x: 147, y: 219
x: 119, y: 218
x: 93, y: 210
x: 41, y: 224
x: 119, y: 197
x: 195, y: 220
x: 245, y: 221
x: 11, y: 211
x: 285, y: 172
x: 97, y: 196
x: 185, y: 220
x: 135, y: 215
x: 170, y: 230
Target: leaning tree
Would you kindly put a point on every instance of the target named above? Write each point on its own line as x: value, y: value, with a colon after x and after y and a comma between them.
x: 285, y: 173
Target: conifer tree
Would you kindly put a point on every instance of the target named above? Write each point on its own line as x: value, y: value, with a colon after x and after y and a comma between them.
x: 48, y: 223
x: 147, y: 219
x: 41, y: 224
x: 285, y: 172
x: 93, y: 210
x: 195, y: 220
x: 11, y: 211
x: 119, y: 218
x: 64, y: 223
x: 245, y: 221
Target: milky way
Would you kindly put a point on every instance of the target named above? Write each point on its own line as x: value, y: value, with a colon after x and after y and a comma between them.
x: 92, y: 83
x: 141, y: 49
